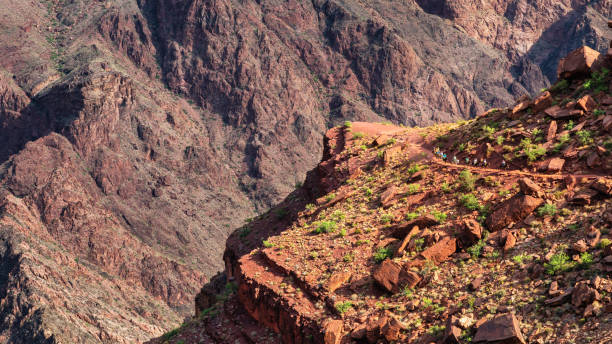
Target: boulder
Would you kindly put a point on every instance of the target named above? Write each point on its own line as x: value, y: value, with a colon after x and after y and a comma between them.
x: 359, y: 332
x: 577, y: 63
x: 373, y: 330
x: 606, y: 123
x: 440, y: 251
x: 551, y: 165
x: 551, y: 132
x: 592, y: 236
x: 503, y: 328
x: 390, y: 153
x: 593, y: 160
x: 381, y: 140
x: 602, y: 185
x: 582, y: 197
x: 510, y: 242
x: 422, y: 221
x: 580, y: 246
x: 583, y: 295
x: 471, y: 232
x: 452, y: 332
x: 560, y: 299
x: 400, y: 249
x: 333, y: 332
x: 394, y: 277
x: 476, y: 283
x: 520, y: 107
x: 587, y: 103
x: 337, y: 280
x: 388, y: 196
x: 542, y: 102
x: 529, y: 187
x: 390, y: 328
x: 411, y: 200
x: 511, y: 211
x: 557, y: 112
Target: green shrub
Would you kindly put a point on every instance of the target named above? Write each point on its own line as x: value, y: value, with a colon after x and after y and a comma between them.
x: 445, y: 187
x: 436, y: 330
x: 547, y: 210
x: 560, y: 85
x: 170, y: 334
x: 466, y: 180
x: 584, y: 136
x: 558, y: 263
x: 268, y: 244
x: 476, y: 249
x: 358, y: 135
x: 470, y: 201
x: 520, y: 258
x: 411, y: 216
x: 413, y: 188
x: 439, y: 216
x: 349, y: 257
x: 604, y: 243
x: 532, y: 151
x: 343, y: 307
x: 586, y: 259
x: 414, y: 169
x: 338, y: 215
x: 569, y: 125
x: 348, y: 124
x: 488, y: 131
x: 382, y: 254
x: 310, y: 206
x: 386, y: 218
x: 326, y: 227
x: 500, y: 140
x: 563, y: 140
x: 597, y: 82
x: 418, y: 244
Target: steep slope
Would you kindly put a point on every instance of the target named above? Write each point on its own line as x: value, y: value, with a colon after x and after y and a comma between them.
x: 507, y: 238
x: 135, y: 134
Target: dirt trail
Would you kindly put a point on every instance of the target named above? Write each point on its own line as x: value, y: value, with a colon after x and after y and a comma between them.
x: 413, y: 138
x: 558, y: 176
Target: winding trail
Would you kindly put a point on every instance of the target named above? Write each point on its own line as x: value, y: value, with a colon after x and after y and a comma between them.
x: 412, y: 137
x: 558, y: 176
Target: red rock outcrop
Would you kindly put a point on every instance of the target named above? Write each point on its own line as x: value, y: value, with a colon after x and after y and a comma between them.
x: 134, y: 135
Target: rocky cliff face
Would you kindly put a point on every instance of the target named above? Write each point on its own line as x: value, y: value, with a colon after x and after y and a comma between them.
x: 135, y: 134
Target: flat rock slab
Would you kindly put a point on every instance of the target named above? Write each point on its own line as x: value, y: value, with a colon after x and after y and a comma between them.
x: 511, y: 211
x: 393, y: 276
x: 501, y: 329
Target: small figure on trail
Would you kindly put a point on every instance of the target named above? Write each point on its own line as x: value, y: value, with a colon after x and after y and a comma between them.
x: 503, y: 164
x: 467, y: 160
x: 475, y: 161
x: 484, y: 162
x: 444, y: 156
x: 455, y: 160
